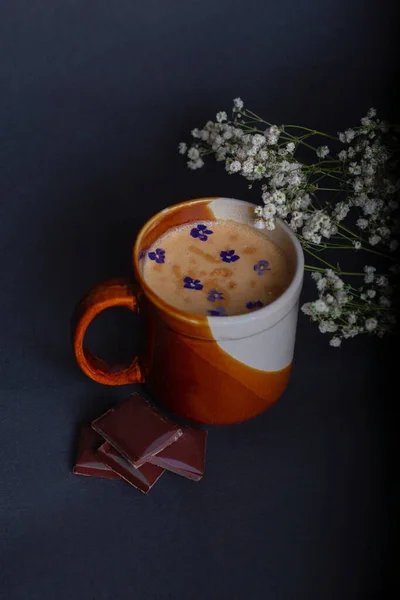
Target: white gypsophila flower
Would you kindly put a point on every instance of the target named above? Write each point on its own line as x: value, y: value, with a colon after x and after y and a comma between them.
x: 269, y: 211
x: 316, y: 276
x: 362, y: 223
x: 258, y: 140
x: 350, y: 134
x: 182, y: 147
x: 195, y: 164
x: 371, y: 293
x: 342, y: 155
x: 341, y: 211
x: 369, y: 207
x: 294, y: 179
x: 237, y: 104
x: 228, y: 133
x: 327, y: 327
x: 235, y: 166
x: 371, y: 324
x: 322, y: 151
x: 382, y: 281
x: 338, y: 283
x: 272, y: 135
x: 204, y: 135
x: 320, y: 306
x: 335, y: 342
x: 371, y: 113
x: 270, y: 224
x: 195, y: 133
x: 259, y: 170
x: 221, y: 116
x: 329, y: 299
x: 321, y: 284
x: 290, y: 147
x: 369, y: 277
x: 266, y: 195
x: 354, y: 169
x: 357, y: 245
x: 193, y: 153
x: 279, y: 197
x: 373, y: 240
x: 351, y: 318
x: 258, y: 211
x: 306, y: 308
x: 248, y: 166
x: 259, y: 223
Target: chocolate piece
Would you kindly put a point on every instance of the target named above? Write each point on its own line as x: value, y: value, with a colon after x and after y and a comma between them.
x: 136, y: 429
x: 87, y: 461
x: 187, y: 456
x: 143, y: 478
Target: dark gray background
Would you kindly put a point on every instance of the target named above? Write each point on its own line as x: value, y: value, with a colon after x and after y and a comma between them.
x: 94, y: 97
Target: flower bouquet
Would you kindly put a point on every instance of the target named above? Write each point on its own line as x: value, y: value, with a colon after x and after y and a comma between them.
x: 338, y: 193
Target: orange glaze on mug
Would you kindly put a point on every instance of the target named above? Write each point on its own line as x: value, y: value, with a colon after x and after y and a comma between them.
x: 196, y: 379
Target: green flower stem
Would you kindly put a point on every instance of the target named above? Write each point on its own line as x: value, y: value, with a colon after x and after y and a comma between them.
x: 355, y: 236
x: 314, y: 132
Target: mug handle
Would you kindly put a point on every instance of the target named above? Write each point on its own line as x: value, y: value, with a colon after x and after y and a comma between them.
x: 116, y: 292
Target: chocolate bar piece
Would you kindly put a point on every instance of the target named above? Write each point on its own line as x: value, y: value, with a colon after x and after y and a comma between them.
x: 87, y: 461
x: 143, y: 478
x: 187, y: 456
x: 136, y: 429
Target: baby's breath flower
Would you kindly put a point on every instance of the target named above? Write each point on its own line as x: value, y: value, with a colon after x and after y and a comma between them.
x: 373, y: 240
x: 320, y: 306
x: 259, y: 223
x: 269, y: 211
x: 371, y: 324
x: 365, y: 200
x: 235, y: 166
x: 362, y: 223
x: 237, y: 104
x: 322, y: 151
x: 193, y: 153
x: 290, y: 147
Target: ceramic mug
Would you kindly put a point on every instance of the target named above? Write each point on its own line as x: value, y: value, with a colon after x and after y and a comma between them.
x: 211, y: 370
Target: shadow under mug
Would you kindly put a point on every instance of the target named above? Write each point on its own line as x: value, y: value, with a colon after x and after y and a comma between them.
x: 211, y: 370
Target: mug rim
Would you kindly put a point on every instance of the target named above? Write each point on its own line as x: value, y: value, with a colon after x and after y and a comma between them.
x: 288, y: 298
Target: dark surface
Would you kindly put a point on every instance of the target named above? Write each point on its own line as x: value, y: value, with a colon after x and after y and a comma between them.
x: 94, y: 97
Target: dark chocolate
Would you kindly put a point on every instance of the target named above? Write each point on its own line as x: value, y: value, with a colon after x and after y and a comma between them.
x: 136, y: 429
x: 142, y: 478
x: 87, y: 460
x: 187, y: 456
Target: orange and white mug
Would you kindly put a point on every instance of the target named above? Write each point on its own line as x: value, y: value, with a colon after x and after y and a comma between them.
x: 211, y: 370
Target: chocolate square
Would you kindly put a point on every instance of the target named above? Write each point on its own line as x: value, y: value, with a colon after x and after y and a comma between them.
x: 136, y: 429
x: 87, y: 461
x: 186, y: 456
x: 142, y: 478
